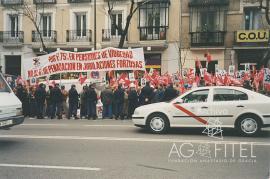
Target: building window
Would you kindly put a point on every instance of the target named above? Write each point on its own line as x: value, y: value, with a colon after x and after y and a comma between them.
x: 153, y: 20
x: 252, y: 18
x: 80, y: 24
x: 14, y: 25
x: 46, y: 25
x: 208, y: 22
x: 117, y: 20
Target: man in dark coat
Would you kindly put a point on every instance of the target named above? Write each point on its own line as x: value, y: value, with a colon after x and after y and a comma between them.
x: 73, y: 102
x: 147, y: 93
x: 22, y: 94
x: 118, y: 97
x: 40, y: 96
x: 132, y: 101
x: 56, y: 100
x: 91, y: 102
x: 170, y: 93
x: 107, y: 100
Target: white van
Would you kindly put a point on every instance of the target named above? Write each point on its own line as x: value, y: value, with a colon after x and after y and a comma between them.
x: 10, y: 106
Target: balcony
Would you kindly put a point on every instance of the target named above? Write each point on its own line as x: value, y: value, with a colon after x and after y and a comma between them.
x: 48, y: 36
x: 207, y: 38
x: 44, y: 1
x: 11, y: 37
x: 109, y: 36
x: 11, y: 2
x: 79, y: 36
x: 79, y: 1
x: 153, y: 33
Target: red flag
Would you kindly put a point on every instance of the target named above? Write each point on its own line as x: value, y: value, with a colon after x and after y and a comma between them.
x: 111, y: 74
x: 207, y: 78
x: 82, y: 78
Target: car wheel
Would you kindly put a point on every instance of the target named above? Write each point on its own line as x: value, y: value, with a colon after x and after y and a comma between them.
x: 249, y: 125
x: 158, y: 123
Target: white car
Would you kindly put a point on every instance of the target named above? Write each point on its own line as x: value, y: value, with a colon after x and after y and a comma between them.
x: 224, y: 106
x: 10, y: 106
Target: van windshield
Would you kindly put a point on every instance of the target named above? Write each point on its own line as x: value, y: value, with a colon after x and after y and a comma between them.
x: 3, y: 85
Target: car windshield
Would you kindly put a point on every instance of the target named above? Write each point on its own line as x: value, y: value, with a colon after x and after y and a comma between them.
x: 3, y: 85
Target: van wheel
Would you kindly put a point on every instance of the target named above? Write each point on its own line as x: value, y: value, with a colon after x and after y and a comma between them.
x: 158, y: 123
x: 249, y: 125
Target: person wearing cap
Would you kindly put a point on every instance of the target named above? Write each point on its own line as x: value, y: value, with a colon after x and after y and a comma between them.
x: 132, y: 100
x: 73, y: 102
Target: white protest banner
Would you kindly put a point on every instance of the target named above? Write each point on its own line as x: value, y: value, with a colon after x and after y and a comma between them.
x: 99, y: 60
x: 266, y: 79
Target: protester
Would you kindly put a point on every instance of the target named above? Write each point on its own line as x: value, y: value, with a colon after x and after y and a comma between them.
x: 40, y: 96
x: 125, y: 104
x: 83, y: 102
x: 73, y: 102
x: 56, y: 98
x: 118, y: 97
x: 32, y: 102
x: 91, y: 100
x: 22, y: 94
x: 107, y: 99
x: 49, y: 102
x: 147, y: 94
x: 64, y: 101
x: 170, y: 93
x: 132, y: 101
x: 159, y: 94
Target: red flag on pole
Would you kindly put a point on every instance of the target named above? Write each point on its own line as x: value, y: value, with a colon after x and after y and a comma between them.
x: 82, y: 78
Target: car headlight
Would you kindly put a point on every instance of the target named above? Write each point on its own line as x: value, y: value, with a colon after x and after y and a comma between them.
x: 19, y: 111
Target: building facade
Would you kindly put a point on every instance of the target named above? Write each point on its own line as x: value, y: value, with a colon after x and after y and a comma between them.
x: 232, y: 31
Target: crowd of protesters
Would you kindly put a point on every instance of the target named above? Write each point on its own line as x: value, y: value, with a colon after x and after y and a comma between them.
x: 118, y: 102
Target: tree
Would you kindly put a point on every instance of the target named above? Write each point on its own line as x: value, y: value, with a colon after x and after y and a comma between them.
x: 124, y: 30
x: 31, y: 11
x: 266, y: 8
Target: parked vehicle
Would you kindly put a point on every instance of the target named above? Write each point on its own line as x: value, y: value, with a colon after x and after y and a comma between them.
x: 233, y: 107
x: 10, y: 106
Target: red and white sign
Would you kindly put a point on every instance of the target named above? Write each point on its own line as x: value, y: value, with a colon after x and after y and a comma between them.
x: 100, y: 60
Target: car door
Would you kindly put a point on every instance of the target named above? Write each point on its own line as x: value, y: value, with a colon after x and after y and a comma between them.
x: 226, y: 105
x: 190, y: 109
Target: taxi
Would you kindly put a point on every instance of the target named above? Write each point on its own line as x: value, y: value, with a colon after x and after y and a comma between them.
x: 225, y: 106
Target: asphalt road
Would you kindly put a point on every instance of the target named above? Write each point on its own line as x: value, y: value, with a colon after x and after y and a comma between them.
x: 69, y: 149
